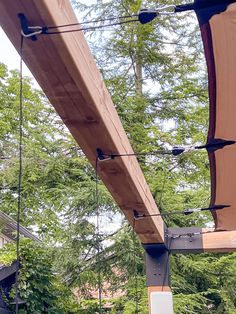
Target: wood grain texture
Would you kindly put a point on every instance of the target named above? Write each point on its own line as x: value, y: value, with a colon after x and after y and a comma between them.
x: 65, y: 69
x: 211, y: 241
x: 219, y: 242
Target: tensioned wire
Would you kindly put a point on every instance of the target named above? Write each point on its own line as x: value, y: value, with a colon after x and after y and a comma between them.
x: 98, y: 242
x: 45, y: 30
x: 90, y: 28
x: 93, y: 21
x: 19, y: 199
x: 135, y: 270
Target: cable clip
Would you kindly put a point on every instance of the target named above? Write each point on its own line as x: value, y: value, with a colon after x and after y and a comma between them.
x: 147, y: 15
x: 166, y: 10
x: 38, y: 30
x: 137, y: 215
x: 30, y: 31
x: 103, y: 157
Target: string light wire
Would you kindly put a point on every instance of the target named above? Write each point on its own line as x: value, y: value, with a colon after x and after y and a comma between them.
x: 98, y: 239
x: 135, y: 270
x: 89, y: 28
x: 94, y: 21
x: 19, y: 200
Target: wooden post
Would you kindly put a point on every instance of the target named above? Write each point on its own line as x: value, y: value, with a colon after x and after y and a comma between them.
x: 158, y: 279
x: 160, y: 300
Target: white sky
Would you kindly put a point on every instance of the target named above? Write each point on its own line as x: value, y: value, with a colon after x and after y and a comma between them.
x: 8, y: 54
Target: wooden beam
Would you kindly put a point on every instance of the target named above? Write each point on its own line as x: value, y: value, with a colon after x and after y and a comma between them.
x: 66, y: 71
x: 219, y: 242
x: 198, y: 240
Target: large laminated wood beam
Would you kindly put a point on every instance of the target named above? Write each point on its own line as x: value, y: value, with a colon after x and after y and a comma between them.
x: 66, y: 71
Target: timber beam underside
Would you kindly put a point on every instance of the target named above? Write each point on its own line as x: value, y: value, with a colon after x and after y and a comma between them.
x: 66, y: 71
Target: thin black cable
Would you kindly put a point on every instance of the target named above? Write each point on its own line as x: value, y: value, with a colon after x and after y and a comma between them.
x: 94, y: 21
x: 140, y: 216
x: 167, y: 268
x: 191, y: 234
x: 98, y: 240
x: 19, y: 202
x: 135, y: 268
x: 151, y: 153
x: 162, y: 192
x: 186, y: 212
x: 89, y: 28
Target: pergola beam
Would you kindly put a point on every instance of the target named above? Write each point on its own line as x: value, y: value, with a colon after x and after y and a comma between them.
x: 219, y: 242
x: 66, y: 71
x: 198, y: 240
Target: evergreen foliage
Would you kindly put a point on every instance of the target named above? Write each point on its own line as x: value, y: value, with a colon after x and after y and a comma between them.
x: 40, y: 288
x: 156, y: 76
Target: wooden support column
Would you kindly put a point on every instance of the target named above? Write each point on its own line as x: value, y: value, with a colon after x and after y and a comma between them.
x: 66, y: 71
x: 160, y: 300
x: 158, y: 279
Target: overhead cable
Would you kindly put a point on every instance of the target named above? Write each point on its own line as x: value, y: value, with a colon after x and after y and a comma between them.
x: 19, y: 197
x: 98, y: 242
x: 210, y: 146
x: 186, y: 212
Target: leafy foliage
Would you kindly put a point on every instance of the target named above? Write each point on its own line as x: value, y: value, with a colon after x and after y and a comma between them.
x: 157, y: 79
x: 39, y: 287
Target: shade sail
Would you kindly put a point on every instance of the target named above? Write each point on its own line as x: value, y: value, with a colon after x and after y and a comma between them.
x: 217, y: 21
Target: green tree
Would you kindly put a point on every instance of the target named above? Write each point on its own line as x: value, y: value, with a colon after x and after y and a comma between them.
x: 158, y: 82
x: 40, y: 288
x: 156, y: 77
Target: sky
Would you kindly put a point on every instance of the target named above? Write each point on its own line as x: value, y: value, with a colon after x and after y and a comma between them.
x: 8, y: 54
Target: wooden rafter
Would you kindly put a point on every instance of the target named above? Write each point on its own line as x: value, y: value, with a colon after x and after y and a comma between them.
x: 66, y: 71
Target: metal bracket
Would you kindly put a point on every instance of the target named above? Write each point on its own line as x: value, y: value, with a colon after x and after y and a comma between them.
x: 157, y: 265
x: 177, y: 240
x: 185, y: 240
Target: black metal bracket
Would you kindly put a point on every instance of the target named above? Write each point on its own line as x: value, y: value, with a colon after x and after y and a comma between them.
x: 177, y: 240
x: 185, y: 240
x: 102, y: 156
x: 157, y: 265
x: 215, y: 144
